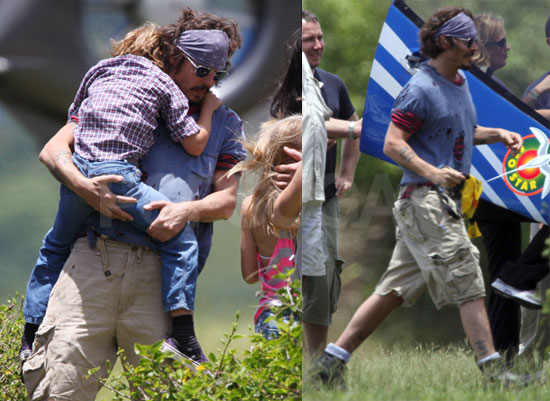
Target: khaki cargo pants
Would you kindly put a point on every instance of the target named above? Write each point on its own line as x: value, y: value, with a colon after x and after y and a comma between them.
x: 89, y: 317
x: 432, y: 250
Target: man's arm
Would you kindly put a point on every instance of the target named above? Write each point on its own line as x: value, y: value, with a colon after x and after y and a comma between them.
x: 340, y: 128
x: 397, y: 148
x: 218, y: 205
x: 539, y: 89
x: 532, y: 96
x: 57, y: 157
x: 348, y: 161
x: 486, y: 135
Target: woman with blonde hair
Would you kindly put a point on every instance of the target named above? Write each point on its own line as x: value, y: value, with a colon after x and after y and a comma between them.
x: 267, y: 249
x: 492, y: 45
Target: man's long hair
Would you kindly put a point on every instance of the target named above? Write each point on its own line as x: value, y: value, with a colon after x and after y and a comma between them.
x: 157, y: 42
x: 429, y: 44
x: 267, y: 152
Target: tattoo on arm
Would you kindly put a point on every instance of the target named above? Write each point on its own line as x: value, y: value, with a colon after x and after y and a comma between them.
x: 62, y: 158
x: 481, y: 348
x: 406, y: 154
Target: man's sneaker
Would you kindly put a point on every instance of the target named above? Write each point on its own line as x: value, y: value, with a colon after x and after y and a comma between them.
x: 329, y: 370
x: 528, y: 299
x: 172, y: 346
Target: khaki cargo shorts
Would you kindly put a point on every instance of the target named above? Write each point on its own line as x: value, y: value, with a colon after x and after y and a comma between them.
x: 89, y: 317
x: 432, y: 250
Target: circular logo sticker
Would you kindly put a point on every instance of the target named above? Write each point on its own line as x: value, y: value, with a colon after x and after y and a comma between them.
x: 526, y: 173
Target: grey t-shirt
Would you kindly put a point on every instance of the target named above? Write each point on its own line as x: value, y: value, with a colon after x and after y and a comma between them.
x: 445, y: 120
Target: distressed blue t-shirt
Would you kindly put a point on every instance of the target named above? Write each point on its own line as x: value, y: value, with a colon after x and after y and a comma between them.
x: 441, y: 116
x: 182, y: 177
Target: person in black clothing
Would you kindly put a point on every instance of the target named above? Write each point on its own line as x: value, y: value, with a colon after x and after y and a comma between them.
x: 501, y: 228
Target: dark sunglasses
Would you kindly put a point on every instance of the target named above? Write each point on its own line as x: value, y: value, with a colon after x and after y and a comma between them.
x: 469, y: 41
x: 202, y: 71
x: 500, y: 43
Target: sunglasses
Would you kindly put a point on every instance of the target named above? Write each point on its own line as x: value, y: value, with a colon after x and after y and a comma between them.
x: 500, y: 43
x: 202, y: 71
x: 469, y: 41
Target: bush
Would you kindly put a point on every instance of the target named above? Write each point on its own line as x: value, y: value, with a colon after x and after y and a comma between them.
x: 11, y: 326
x: 269, y: 370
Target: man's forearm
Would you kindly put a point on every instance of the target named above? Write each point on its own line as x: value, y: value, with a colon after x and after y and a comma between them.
x: 350, y: 156
x: 486, y: 135
x: 57, y: 157
x: 218, y: 205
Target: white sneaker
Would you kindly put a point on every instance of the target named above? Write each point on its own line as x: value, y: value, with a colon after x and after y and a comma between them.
x: 528, y: 299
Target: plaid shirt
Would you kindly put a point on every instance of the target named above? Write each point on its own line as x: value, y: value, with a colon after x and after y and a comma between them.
x: 117, y: 105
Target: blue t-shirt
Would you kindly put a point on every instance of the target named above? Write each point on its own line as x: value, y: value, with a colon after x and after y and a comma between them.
x: 446, y: 117
x: 182, y: 177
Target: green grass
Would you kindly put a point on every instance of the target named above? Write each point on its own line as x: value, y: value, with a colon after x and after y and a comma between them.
x: 426, y: 373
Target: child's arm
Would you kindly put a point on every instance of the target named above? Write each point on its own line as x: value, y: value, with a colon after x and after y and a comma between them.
x: 288, y: 204
x: 195, y: 144
x: 249, y: 249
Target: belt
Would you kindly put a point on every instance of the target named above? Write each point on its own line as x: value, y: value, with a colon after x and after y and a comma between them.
x: 408, y: 188
x: 443, y: 194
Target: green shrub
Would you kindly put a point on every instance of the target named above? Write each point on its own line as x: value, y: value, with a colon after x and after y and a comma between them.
x: 11, y: 326
x: 269, y: 370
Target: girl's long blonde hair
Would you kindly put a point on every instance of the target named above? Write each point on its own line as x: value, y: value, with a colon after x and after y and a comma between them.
x: 266, y: 153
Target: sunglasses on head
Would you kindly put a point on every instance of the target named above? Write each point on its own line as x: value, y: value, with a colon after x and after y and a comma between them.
x: 202, y: 71
x: 468, y: 41
x: 500, y: 43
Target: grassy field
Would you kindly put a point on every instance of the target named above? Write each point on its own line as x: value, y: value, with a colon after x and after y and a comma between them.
x: 422, y: 373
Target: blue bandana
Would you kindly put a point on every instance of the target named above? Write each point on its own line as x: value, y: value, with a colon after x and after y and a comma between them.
x: 460, y: 26
x: 208, y: 48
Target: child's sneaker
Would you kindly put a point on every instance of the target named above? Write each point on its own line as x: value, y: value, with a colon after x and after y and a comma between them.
x: 329, y: 370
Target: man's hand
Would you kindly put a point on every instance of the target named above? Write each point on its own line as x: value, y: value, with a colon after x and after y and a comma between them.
x: 447, y: 177
x: 171, y: 220
x: 285, y: 172
x: 511, y: 140
x: 331, y: 142
x: 343, y: 184
x: 98, y: 195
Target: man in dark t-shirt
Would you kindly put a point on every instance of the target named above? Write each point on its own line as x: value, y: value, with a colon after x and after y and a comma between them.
x: 321, y: 292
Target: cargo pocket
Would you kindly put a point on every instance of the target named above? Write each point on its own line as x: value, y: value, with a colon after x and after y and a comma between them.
x: 34, y: 369
x: 403, y: 212
x: 457, y: 271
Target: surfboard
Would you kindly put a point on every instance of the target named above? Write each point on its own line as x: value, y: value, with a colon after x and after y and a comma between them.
x: 520, y: 183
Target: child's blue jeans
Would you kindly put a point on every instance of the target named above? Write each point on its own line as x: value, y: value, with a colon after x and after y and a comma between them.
x: 179, y: 256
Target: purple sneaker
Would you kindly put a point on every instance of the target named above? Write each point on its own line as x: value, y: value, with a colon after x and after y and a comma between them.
x: 189, y: 357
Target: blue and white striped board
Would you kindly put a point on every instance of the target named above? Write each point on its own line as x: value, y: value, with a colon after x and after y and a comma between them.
x: 525, y: 191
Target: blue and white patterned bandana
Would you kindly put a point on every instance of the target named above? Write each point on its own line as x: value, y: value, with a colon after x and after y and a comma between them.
x: 208, y: 48
x: 460, y: 26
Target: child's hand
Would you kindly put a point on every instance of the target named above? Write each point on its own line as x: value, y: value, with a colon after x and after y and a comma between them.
x: 211, y: 102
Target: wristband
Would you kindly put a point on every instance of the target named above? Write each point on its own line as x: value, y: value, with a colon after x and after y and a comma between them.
x: 534, y: 95
x: 351, y: 126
